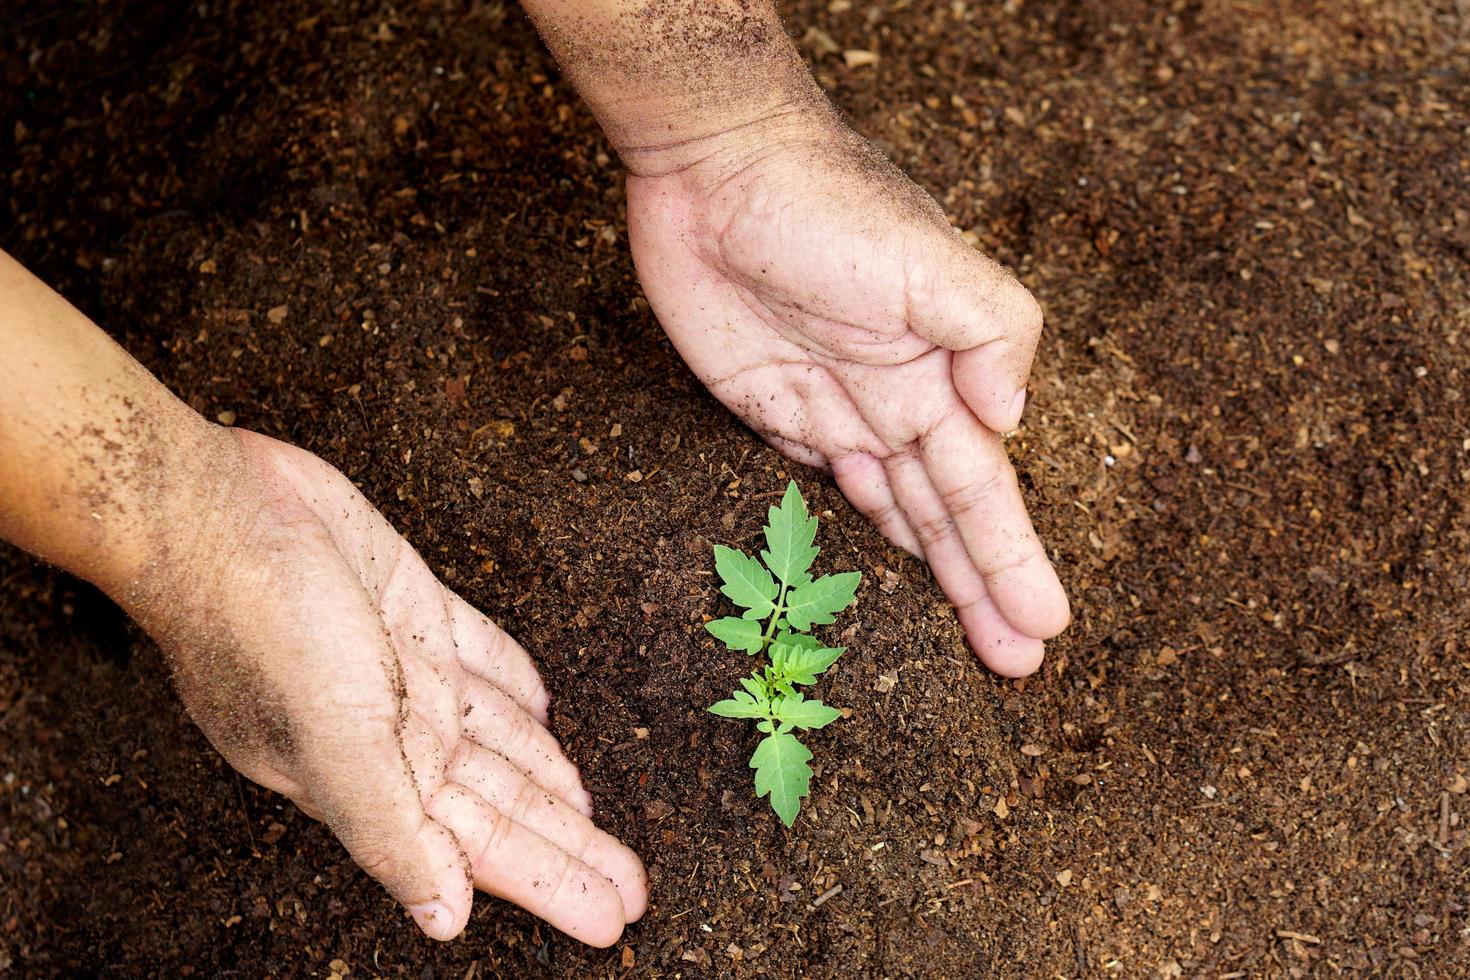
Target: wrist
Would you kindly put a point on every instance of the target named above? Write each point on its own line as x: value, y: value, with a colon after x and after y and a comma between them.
x: 675, y: 84
x: 170, y: 488
x: 711, y: 150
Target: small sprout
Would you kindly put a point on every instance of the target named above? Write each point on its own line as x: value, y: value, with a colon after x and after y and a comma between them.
x: 781, y: 602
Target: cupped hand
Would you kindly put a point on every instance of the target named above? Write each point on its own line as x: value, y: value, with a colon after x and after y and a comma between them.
x: 824, y: 298
x: 325, y: 661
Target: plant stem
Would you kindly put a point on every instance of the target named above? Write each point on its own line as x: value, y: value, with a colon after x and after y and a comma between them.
x: 766, y: 637
x: 770, y: 631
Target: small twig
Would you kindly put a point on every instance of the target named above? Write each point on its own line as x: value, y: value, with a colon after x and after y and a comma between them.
x: 821, y: 899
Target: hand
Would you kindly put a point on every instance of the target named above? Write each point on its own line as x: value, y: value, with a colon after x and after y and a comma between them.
x: 325, y: 661
x: 824, y: 298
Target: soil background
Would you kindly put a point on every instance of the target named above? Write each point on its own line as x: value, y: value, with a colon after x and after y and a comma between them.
x: 1249, y: 224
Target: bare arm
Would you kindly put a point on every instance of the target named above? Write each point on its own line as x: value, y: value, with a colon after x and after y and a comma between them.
x: 96, y: 457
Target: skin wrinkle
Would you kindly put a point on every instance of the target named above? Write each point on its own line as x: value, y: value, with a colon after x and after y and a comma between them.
x: 677, y: 48
x: 790, y: 107
x: 842, y: 386
x: 756, y: 303
x: 930, y: 531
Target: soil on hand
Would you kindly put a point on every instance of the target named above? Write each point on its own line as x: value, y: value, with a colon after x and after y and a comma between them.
x: 392, y: 235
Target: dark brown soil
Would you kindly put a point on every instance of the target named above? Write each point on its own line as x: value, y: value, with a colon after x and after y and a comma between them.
x: 1250, y: 226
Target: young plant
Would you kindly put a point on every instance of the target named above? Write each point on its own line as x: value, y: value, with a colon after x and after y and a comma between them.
x: 781, y: 603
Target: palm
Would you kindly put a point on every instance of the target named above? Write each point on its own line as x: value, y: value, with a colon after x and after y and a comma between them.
x: 825, y: 300
x: 339, y: 671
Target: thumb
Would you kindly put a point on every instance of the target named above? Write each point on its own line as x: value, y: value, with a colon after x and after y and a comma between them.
x: 965, y: 301
x: 374, y: 803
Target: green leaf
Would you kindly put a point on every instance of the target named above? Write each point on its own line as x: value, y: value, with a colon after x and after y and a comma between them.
x: 821, y: 601
x: 747, y: 584
x: 802, y: 665
x: 756, y: 689
x: 736, y: 633
x: 789, y: 537
x: 801, y: 640
x: 780, y: 764
x: 802, y: 713
x: 742, y: 705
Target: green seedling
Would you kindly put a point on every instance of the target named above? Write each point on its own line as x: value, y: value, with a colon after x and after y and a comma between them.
x: 781, y: 603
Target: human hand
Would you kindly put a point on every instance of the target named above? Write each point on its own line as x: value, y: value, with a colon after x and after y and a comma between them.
x: 824, y: 298
x: 325, y: 661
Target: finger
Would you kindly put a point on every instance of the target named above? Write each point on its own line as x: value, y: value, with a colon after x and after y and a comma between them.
x: 997, y: 643
x: 975, y: 482
x: 507, y: 789
x: 862, y: 479
x: 367, y: 793
x: 489, y: 718
x: 487, y: 651
x: 964, y: 301
x: 1001, y: 647
x: 520, y: 866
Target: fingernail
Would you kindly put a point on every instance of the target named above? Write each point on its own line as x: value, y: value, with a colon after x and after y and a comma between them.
x: 435, y: 920
x: 1018, y: 405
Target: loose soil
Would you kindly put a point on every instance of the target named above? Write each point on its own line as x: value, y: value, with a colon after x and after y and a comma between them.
x: 1247, y: 447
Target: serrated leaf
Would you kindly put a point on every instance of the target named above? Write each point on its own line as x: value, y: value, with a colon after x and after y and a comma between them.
x: 746, y: 583
x: 742, y: 705
x: 780, y: 764
x: 823, y: 657
x: 789, y: 535
x: 819, y: 602
x: 753, y: 685
x: 800, y: 712
x: 803, y: 665
x: 736, y: 633
x: 800, y: 640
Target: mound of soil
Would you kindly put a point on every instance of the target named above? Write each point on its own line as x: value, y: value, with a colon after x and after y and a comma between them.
x: 391, y: 234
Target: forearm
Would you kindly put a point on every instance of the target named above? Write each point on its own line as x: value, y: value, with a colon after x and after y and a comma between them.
x: 665, y: 78
x: 100, y: 464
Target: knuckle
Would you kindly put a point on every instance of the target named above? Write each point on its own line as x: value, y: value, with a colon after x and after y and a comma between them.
x: 526, y: 795
x: 968, y: 496
x: 1011, y: 559
x: 497, y: 835
x: 557, y: 877
x: 886, y: 515
x: 497, y: 642
x: 1028, y: 315
x: 382, y: 846
x: 515, y: 734
x: 376, y: 859
x: 933, y: 529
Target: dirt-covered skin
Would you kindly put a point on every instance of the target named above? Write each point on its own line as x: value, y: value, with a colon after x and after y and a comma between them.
x: 1249, y: 231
